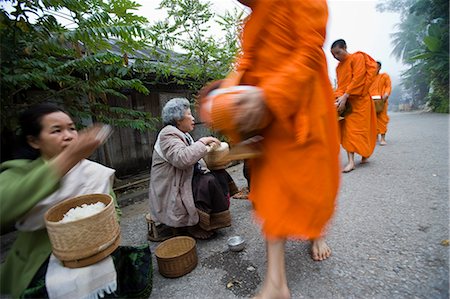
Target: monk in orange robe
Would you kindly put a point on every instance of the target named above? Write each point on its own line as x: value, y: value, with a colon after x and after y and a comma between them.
x: 294, y: 182
x: 355, y: 73
x: 381, y: 87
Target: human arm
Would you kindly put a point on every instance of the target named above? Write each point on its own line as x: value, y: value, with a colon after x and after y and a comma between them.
x: 177, y: 152
x: 78, y: 149
x: 23, y: 183
x: 386, y: 86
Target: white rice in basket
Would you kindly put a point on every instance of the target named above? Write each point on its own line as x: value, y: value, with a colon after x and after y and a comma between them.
x: 83, y: 211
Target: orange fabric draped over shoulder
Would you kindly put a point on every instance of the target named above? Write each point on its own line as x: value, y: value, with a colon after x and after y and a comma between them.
x: 358, y: 130
x: 381, y: 85
x: 295, y: 182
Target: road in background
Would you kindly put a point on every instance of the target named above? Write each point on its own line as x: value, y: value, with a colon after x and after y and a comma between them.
x: 389, y: 235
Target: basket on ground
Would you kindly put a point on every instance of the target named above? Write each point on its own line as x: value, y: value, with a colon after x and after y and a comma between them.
x: 84, y: 241
x: 176, y: 256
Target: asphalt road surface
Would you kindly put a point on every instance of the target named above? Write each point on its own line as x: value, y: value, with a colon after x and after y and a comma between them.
x: 389, y: 235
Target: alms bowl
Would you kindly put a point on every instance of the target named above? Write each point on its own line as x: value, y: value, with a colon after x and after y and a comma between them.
x: 236, y: 243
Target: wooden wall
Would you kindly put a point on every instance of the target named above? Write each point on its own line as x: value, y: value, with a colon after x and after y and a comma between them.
x: 130, y: 151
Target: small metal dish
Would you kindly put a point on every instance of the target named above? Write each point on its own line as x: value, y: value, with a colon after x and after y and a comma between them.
x: 236, y: 243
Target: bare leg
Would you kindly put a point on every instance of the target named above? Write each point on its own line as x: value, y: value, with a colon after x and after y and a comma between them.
x: 351, y: 162
x: 364, y: 160
x: 275, y: 283
x: 319, y: 249
x: 383, y: 139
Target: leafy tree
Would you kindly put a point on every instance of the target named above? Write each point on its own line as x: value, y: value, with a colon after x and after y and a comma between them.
x: 187, y: 30
x: 422, y: 42
x: 61, y: 51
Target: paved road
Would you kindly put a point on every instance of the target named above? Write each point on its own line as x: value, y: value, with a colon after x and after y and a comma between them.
x: 388, y: 234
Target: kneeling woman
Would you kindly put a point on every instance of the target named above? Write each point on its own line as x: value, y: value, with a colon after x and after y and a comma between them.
x: 183, y: 192
x: 52, y: 166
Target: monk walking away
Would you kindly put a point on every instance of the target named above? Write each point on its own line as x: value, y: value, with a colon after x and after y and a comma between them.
x: 295, y: 179
x: 355, y: 74
x: 380, y: 92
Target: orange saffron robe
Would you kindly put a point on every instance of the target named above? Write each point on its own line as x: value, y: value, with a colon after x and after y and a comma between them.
x: 381, y: 85
x: 295, y: 182
x: 358, y: 130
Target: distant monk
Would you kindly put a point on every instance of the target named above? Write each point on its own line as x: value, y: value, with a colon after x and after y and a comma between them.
x: 355, y: 73
x: 381, y: 87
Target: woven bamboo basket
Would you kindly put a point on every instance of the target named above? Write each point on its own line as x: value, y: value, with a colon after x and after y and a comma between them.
x: 84, y: 241
x: 176, y: 256
x: 216, y: 158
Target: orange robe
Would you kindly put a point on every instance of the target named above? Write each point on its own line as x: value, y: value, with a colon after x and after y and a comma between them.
x: 381, y: 85
x: 295, y: 182
x: 358, y: 130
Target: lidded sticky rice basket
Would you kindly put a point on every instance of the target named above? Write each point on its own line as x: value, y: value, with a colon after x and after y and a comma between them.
x: 176, y: 256
x: 85, y: 241
x: 216, y: 158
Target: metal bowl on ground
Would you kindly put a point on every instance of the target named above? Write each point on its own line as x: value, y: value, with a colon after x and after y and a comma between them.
x: 236, y: 243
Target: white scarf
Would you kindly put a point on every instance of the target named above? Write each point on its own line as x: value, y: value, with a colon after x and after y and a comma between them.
x: 84, y: 178
x: 89, y: 282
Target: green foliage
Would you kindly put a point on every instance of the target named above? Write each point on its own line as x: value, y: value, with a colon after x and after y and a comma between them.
x: 187, y: 30
x: 61, y: 51
x: 422, y: 42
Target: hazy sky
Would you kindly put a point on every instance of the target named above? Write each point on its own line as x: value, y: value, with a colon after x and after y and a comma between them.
x: 358, y: 22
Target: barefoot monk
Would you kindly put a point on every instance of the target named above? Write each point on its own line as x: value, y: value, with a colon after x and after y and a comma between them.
x: 355, y: 73
x: 295, y: 180
x: 381, y: 89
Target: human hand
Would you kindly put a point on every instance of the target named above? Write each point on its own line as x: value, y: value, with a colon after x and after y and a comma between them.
x: 83, y: 146
x: 385, y: 96
x: 340, y: 103
x: 210, y: 141
x: 251, y: 109
x: 88, y: 141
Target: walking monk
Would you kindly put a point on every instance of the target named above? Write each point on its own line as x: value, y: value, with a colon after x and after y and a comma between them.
x: 294, y: 182
x: 355, y: 73
x: 381, y: 88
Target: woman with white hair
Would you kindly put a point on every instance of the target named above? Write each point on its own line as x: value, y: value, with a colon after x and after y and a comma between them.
x: 184, y: 195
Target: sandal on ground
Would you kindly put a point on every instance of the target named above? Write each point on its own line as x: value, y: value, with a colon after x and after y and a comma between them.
x: 160, y: 232
x: 198, y: 233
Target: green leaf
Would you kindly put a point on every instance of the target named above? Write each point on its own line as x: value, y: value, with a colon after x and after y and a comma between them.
x: 433, y: 43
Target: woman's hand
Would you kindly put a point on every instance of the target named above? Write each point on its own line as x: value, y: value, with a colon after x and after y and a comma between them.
x: 80, y: 148
x: 210, y: 141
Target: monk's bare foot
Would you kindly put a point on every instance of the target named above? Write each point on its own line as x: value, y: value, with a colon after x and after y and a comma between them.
x: 272, y: 291
x: 320, y: 250
x: 364, y: 160
x: 383, y: 142
x: 349, y: 167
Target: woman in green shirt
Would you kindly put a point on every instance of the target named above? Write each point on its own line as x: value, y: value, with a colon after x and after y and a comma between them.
x: 51, y: 167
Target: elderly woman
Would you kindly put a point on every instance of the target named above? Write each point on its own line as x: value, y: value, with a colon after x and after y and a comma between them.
x: 183, y: 192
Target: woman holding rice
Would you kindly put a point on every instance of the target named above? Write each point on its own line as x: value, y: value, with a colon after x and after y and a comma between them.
x: 52, y: 167
x: 184, y: 194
